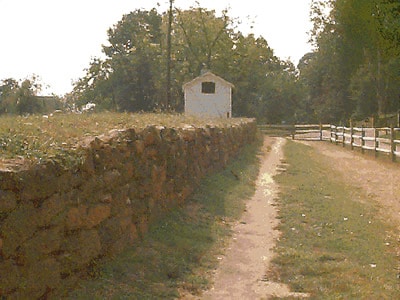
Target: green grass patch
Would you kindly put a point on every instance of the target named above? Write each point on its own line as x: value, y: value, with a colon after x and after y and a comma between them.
x: 332, y: 246
x: 180, y: 251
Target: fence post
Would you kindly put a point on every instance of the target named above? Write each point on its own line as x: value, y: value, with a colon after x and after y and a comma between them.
x: 336, y: 136
x: 398, y: 118
x: 344, y: 137
x: 376, y: 146
x: 320, y: 131
x: 293, y: 131
x: 351, y: 135
x: 392, y: 144
x: 362, y: 139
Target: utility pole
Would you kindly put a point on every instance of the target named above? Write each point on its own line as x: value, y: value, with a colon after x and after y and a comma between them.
x: 168, y: 101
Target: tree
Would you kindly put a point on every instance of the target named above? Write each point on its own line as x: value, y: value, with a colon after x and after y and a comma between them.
x: 353, y: 73
x: 20, y: 98
x: 7, y: 95
x: 125, y: 80
x: 134, y: 74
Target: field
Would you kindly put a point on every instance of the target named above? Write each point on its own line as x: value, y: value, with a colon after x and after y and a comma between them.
x: 59, y: 136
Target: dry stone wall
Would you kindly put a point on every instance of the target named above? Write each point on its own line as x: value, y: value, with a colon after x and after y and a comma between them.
x: 54, y: 222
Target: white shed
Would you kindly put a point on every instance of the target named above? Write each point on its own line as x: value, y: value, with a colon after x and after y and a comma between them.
x: 208, y: 95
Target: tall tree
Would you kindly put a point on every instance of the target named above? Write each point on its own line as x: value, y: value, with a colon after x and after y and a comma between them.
x: 21, y: 98
x: 353, y: 73
x: 133, y: 75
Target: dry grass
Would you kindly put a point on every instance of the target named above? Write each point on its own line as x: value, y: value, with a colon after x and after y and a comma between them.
x: 48, y: 137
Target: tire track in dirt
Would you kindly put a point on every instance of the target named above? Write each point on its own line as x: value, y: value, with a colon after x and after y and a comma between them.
x: 241, y: 273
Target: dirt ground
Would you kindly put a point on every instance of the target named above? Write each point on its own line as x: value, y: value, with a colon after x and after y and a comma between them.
x: 241, y: 274
x: 376, y: 179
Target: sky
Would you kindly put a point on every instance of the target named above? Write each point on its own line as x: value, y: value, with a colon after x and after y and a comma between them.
x: 56, y: 40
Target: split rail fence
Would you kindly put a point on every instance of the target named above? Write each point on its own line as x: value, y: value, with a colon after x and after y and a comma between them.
x: 379, y: 140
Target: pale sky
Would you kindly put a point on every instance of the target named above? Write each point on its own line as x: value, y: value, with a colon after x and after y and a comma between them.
x: 56, y: 39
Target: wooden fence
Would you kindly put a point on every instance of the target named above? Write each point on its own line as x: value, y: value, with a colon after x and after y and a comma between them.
x: 300, y: 132
x: 380, y: 140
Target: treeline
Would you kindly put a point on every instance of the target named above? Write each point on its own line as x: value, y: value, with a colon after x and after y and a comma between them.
x: 21, y: 97
x: 133, y: 76
x: 355, y: 70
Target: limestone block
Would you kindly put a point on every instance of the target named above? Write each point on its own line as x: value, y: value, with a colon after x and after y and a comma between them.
x: 76, y: 217
x: 40, y: 278
x: 18, y: 227
x: 151, y: 152
x: 8, y: 201
x: 152, y: 135
x: 9, y: 277
x: 79, y: 249
x: 43, y: 243
x: 111, y: 178
x: 96, y: 215
x: 48, y: 211
x: 9, y: 180
x: 139, y: 147
x: 107, y: 198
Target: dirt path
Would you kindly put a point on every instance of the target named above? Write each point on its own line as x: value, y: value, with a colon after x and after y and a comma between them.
x: 241, y: 274
x: 376, y: 179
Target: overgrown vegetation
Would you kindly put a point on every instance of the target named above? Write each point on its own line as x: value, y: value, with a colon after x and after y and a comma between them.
x: 333, y: 246
x: 179, y: 252
x: 59, y: 136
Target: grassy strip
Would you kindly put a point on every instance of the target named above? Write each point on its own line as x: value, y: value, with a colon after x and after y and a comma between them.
x: 179, y: 252
x: 332, y: 246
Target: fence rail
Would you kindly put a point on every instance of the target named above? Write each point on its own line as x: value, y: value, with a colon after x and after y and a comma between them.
x: 380, y: 140
x: 384, y: 139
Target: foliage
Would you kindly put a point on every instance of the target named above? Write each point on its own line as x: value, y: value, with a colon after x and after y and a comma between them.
x: 20, y: 98
x: 353, y: 71
x: 133, y: 75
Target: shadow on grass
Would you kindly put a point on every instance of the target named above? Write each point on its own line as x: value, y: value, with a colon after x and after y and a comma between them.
x: 180, y: 251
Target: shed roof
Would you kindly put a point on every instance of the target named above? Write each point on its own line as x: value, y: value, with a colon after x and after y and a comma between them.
x: 205, y: 75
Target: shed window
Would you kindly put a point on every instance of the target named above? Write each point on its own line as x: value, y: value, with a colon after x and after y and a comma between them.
x: 208, y: 87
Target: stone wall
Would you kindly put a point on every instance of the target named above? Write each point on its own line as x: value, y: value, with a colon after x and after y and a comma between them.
x: 54, y: 222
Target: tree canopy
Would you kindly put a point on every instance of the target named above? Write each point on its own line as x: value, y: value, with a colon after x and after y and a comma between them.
x: 133, y: 75
x: 21, y: 97
x: 354, y: 71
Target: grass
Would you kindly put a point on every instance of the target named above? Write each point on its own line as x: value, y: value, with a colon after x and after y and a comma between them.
x: 178, y: 254
x: 35, y: 138
x: 332, y: 246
